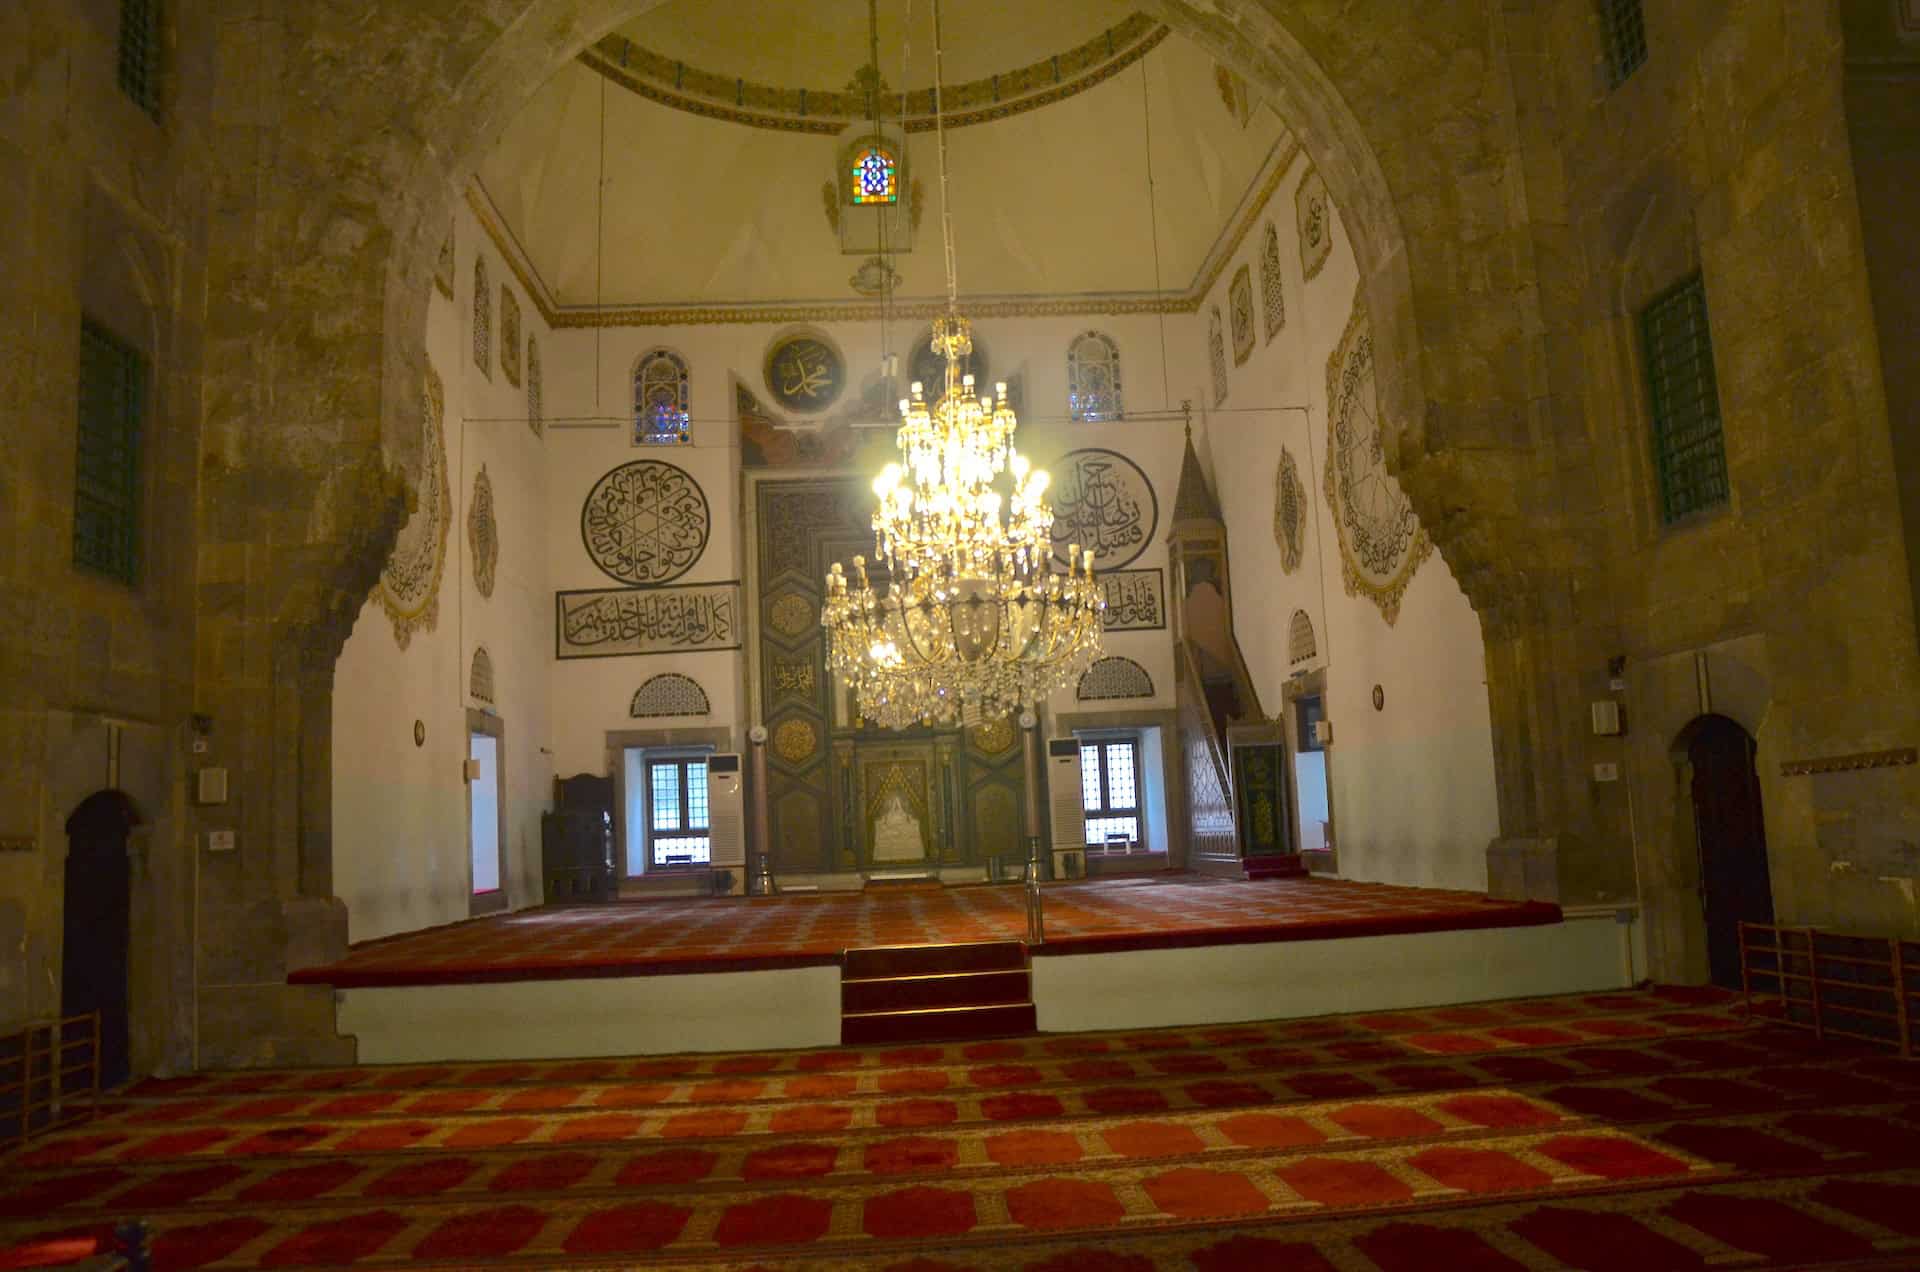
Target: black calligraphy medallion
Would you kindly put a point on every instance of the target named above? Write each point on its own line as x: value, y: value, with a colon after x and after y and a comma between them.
x: 1102, y: 501
x: 645, y: 522
x: 805, y: 374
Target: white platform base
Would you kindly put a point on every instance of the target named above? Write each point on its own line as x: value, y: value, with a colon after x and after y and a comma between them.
x: 1212, y: 984
x: 800, y: 1007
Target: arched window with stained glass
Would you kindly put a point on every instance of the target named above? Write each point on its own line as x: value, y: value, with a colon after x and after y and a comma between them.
x: 482, y: 319
x: 875, y: 174
x: 1093, y: 378
x: 660, y: 415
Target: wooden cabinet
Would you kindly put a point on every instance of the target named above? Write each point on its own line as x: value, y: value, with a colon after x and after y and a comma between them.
x: 576, y: 841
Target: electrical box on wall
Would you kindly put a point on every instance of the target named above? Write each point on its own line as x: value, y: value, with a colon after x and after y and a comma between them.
x: 470, y: 770
x: 210, y: 786
x: 1323, y: 732
x: 1606, y: 718
x: 221, y: 841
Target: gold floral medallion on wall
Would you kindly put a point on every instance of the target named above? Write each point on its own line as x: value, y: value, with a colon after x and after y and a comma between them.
x: 791, y: 615
x: 410, y: 581
x: 1289, y: 512
x: 995, y: 737
x: 1381, y: 540
x: 1240, y: 314
x: 796, y: 740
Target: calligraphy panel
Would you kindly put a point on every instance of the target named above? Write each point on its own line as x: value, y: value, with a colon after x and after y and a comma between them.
x: 1102, y: 501
x: 1136, y: 600
x: 645, y: 522
x: 622, y: 622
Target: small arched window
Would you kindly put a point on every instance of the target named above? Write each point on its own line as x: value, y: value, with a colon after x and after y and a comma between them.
x: 875, y: 175
x: 1093, y: 378
x: 1217, y: 355
x: 482, y: 319
x: 1301, y: 646
x: 535, y: 406
x: 660, y: 416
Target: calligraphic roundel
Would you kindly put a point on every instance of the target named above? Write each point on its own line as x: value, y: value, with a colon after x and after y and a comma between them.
x: 645, y: 522
x: 1102, y: 501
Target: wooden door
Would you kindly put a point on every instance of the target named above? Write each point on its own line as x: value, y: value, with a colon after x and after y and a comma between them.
x: 1732, y: 840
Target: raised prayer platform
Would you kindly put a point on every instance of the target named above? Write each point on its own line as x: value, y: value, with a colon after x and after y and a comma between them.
x: 717, y: 973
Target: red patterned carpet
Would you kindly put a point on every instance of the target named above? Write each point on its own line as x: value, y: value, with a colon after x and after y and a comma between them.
x: 637, y: 938
x: 1622, y: 1132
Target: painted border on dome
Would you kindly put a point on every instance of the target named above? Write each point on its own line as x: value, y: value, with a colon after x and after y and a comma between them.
x: 730, y: 99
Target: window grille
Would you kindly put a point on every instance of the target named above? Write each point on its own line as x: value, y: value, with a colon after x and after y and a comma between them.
x: 1689, y: 448
x: 106, y: 496
x: 1110, y: 789
x: 1623, y: 30
x: 1300, y: 643
x: 480, y: 678
x: 1093, y: 378
x: 677, y: 820
x: 660, y: 395
x: 669, y: 694
x: 140, y: 53
x: 1113, y: 677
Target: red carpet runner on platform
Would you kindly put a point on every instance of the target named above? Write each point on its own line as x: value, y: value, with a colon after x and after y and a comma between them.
x: 1632, y: 1131
x: 636, y: 938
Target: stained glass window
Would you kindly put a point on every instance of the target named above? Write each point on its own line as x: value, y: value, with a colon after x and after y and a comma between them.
x: 106, y: 494
x: 1093, y: 378
x: 876, y: 177
x: 482, y: 319
x: 660, y: 416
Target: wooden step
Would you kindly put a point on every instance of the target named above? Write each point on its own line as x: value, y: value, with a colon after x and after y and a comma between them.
x: 940, y: 989
x: 876, y: 961
x: 938, y: 1024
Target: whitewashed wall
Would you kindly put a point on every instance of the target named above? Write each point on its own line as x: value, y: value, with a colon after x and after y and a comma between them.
x: 400, y: 812
x: 1412, y: 786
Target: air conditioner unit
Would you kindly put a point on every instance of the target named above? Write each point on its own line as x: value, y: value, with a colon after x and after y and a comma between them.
x: 726, y: 812
x: 1068, y: 814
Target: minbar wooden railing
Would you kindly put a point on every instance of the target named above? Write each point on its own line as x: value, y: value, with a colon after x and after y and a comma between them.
x: 49, y: 1076
x: 1857, y: 987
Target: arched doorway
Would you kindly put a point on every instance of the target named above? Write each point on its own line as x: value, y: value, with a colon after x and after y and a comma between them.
x: 1731, y: 837
x: 99, y: 893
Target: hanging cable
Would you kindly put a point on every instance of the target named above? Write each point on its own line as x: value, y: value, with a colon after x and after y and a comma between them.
x: 1153, y: 231
x: 599, y: 239
x: 940, y: 132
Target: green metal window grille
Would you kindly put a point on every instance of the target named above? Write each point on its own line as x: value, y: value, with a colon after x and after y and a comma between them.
x: 1689, y: 450
x: 140, y: 53
x: 1624, y: 33
x: 106, y: 504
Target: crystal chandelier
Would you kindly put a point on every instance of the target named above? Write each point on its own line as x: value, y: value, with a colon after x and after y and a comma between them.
x: 974, y: 622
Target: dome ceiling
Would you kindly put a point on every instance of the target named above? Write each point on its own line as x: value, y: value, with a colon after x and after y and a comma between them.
x: 711, y: 204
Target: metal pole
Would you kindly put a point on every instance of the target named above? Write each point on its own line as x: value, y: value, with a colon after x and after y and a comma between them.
x: 1036, y: 916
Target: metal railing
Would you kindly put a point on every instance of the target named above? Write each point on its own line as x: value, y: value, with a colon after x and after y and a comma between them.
x: 1856, y: 987
x: 42, y: 1084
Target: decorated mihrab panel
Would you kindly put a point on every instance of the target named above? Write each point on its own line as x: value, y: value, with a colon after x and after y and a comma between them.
x: 1103, y: 502
x: 1381, y: 541
x: 410, y: 582
x: 645, y: 522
